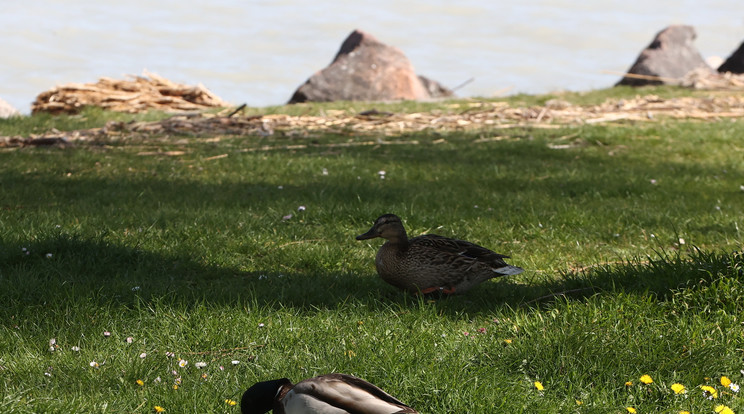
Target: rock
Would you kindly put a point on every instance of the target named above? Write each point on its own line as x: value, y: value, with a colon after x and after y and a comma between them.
x: 735, y: 62
x: 7, y: 110
x: 366, y: 69
x: 667, y: 59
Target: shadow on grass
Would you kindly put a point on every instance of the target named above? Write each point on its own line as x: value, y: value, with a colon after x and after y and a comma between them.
x: 658, y: 278
x: 60, y: 271
x: 519, y: 177
x: 523, y: 174
x: 68, y: 269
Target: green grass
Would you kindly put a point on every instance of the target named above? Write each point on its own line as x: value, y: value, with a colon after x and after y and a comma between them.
x: 89, y: 117
x: 627, y: 237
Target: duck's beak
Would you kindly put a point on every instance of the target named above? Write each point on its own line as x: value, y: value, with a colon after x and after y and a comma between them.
x: 371, y: 234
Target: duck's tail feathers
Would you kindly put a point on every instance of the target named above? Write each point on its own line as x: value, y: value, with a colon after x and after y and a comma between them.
x: 508, y: 270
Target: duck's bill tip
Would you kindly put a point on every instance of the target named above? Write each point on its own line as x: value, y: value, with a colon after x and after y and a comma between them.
x: 367, y: 235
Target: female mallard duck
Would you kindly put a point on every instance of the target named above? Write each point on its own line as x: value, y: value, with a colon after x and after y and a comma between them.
x: 431, y: 263
x: 326, y: 394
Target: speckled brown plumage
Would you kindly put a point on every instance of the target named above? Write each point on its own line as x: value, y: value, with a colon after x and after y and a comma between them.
x: 431, y: 263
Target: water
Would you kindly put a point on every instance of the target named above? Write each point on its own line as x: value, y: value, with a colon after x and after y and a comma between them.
x: 260, y: 51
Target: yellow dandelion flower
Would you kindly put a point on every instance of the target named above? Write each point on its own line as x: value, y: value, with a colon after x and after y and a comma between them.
x: 646, y: 379
x: 539, y: 385
x: 631, y: 410
x: 628, y: 383
x: 175, y: 386
x: 159, y: 409
x: 684, y: 412
x: 709, y: 392
x: 579, y: 402
x: 678, y: 388
x: 140, y: 382
x: 725, y: 381
x: 722, y: 409
x: 507, y: 341
x: 231, y: 402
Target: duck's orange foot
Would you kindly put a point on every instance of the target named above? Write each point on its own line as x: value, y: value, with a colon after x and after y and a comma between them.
x: 439, y: 289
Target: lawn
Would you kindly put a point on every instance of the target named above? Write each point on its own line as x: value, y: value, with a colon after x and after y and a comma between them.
x: 131, y: 279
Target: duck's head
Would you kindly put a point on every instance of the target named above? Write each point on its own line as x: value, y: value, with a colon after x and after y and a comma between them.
x: 260, y: 398
x: 387, y: 226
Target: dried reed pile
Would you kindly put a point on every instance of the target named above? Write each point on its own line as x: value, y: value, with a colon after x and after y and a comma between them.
x: 138, y: 94
x: 703, y: 79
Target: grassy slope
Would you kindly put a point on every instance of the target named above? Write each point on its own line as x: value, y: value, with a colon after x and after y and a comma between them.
x: 190, y: 255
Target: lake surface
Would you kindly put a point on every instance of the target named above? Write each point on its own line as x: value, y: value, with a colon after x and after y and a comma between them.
x: 259, y: 52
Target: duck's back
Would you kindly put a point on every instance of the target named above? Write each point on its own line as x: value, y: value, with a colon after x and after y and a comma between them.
x: 433, y: 262
x: 447, y: 249
x: 339, y: 394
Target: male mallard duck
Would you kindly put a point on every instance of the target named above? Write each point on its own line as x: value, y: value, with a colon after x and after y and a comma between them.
x: 326, y: 394
x: 431, y: 263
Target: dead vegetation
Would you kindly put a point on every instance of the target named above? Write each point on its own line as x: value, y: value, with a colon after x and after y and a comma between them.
x: 463, y: 116
x: 138, y: 94
x: 705, y: 80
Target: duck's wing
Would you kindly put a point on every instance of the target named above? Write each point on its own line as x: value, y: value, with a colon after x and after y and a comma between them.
x: 340, y: 393
x: 461, y: 248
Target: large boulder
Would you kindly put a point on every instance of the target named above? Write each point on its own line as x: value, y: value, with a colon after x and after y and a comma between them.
x: 366, y: 69
x: 667, y: 59
x: 7, y: 110
x: 735, y: 62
